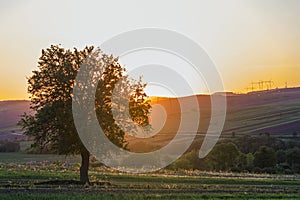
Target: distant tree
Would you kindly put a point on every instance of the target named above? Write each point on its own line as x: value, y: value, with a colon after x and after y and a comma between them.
x: 250, y: 144
x: 281, y: 156
x: 247, y: 144
x: 292, y: 143
x: 193, y: 157
x: 264, y: 157
x: 223, y: 156
x: 189, y: 160
x: 50, y: 89
x: 241, y: 162
x: 250, y: 159
x: 293, y: 156
x: 181, y: 163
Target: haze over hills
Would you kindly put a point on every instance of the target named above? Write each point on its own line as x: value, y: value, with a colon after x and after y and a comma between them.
x: 275, y: 111
x: 10, y: 114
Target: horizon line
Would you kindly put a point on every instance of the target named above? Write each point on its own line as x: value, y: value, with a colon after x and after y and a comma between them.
x: 198, y: 94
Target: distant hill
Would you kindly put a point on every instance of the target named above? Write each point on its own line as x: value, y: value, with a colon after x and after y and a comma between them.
x: 275, y: 111
x: 10, y: 112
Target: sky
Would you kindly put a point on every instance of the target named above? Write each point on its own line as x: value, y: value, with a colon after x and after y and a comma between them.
x: 248, y: 40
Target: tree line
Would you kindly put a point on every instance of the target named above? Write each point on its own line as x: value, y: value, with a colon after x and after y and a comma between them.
x: 248, y: 153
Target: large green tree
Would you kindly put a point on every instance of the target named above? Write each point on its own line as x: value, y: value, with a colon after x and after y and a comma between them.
x: 50, y: 88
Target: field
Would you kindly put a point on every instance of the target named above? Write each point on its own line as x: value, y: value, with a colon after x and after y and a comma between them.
x: 276, y: 112
x: 56, y: 177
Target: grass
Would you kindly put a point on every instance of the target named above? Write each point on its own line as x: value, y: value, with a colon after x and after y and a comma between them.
x: 22, y: 196
x: 21, y: 157
x: 45, y: 179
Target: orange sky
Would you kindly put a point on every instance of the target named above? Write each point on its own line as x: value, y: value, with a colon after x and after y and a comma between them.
x: 248, y: 40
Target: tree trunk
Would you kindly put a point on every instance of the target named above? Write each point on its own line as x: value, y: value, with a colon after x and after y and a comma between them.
x: 84, y: 168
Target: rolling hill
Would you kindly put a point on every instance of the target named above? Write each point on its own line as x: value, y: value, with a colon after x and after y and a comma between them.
x: 275, y: 111
x: 10, y: 114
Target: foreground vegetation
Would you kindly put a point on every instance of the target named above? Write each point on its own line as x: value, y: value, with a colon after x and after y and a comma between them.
x: 59, y: 180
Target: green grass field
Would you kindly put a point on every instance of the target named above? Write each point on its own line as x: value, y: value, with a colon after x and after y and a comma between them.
x: 54, y: 177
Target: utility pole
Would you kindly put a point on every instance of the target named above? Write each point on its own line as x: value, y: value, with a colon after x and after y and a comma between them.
x: 269, y: 84
x: 261, y: 83
x: 252, y: 86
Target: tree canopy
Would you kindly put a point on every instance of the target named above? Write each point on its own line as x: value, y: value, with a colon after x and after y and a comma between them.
x: 50, y: 88
x: 264, y: 157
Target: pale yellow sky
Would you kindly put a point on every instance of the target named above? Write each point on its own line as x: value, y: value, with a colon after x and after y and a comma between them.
x: 249, y: 40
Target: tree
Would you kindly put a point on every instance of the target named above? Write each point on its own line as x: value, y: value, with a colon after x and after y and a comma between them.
x: 50, y: 88
x: 293, y: 156
x: 223, y: 156
x: 189, y: 160
x: 241, y: 162
x: 264, y: 157
x: 250, y: 159
x: 280, y: 156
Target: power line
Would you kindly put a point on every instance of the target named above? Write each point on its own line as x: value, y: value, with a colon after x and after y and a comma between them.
x: 261, y: 85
